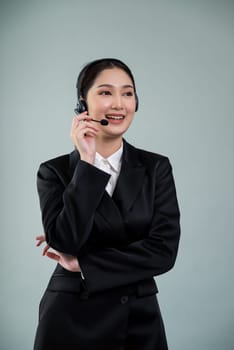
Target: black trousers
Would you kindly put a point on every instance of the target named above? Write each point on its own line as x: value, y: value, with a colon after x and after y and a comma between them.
x: 114, y: 320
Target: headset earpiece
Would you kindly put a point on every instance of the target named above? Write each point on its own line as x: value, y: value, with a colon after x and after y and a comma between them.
x: 81, y: 107
x: 137, y: 102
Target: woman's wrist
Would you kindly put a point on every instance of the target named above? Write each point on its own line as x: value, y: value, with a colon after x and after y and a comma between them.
x: 87, y: 158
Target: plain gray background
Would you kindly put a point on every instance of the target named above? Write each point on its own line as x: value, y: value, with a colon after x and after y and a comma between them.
x: 182, y: 54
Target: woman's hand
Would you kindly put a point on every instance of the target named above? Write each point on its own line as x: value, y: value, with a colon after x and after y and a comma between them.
x: 83, y: 134
x: 68, y: 262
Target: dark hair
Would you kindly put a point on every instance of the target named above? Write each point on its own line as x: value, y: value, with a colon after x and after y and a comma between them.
x: 91, y: 70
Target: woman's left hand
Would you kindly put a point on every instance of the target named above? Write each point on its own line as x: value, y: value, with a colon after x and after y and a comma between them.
x: 68, y: 262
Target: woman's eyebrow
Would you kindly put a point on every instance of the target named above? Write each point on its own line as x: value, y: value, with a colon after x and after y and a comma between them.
x: 111, y: 86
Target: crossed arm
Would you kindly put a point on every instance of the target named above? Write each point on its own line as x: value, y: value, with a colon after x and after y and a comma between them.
x: 150, y: 256
x: 67, y: 261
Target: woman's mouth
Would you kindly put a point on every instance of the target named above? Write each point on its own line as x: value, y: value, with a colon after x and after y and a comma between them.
x: 115, y: 117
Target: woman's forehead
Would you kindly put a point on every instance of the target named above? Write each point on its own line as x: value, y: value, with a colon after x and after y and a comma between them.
x: 113, y: 76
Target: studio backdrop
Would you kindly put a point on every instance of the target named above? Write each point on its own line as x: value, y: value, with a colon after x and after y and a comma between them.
x: 181, y: 54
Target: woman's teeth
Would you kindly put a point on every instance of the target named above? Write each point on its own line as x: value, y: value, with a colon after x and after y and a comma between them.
x: 115, y: 117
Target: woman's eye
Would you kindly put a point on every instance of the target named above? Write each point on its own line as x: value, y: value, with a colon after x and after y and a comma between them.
x: 104, y: 93
x: 129, y: 93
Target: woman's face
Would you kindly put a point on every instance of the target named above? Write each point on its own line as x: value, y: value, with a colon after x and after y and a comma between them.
x: 112, y: 97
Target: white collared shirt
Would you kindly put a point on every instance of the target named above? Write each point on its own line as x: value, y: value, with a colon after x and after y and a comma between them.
x: 110, y: 165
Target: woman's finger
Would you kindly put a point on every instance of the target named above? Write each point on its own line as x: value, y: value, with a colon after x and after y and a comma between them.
x: 75, y: 123
x: 40, y: 240
x: 87, y: 125
x: 53, y: 256
x: 45, y: 250
x: 78, y: 119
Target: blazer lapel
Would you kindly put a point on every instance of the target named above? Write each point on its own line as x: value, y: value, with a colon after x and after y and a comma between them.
x: 130, y: 179
x: 108, y: 217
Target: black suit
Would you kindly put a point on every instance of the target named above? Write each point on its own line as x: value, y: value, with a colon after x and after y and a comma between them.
x: 121, y: 242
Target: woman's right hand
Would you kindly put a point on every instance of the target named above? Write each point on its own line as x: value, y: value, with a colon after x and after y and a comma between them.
x: 68, y: 262
x: 83, y: 134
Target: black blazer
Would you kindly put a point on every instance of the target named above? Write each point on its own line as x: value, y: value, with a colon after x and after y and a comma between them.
x: 119, y: 240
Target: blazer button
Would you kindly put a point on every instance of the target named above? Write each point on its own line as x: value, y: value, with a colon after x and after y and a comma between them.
x: 124, y: 299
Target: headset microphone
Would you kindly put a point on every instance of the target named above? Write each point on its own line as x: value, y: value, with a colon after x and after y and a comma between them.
x: 102, y: 121
x: 79, y: 110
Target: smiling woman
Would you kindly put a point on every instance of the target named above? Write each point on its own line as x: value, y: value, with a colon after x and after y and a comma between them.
x: 111, y: 215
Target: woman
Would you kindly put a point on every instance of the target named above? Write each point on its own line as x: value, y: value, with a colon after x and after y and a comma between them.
x: 111, y: 215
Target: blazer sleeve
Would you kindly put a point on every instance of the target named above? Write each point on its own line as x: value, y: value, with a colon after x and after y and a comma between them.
x: 151, y: 256
x: 67, y: 215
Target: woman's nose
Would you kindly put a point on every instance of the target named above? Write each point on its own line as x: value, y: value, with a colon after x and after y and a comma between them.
x: 117, y: 102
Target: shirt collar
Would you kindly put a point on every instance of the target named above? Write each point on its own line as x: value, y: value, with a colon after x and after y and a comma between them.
x: 114, y: 159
